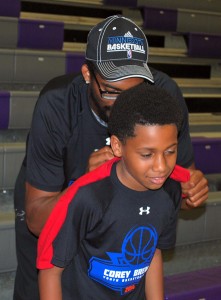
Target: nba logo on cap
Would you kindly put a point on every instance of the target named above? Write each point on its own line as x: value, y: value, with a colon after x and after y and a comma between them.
x: 129, y: 53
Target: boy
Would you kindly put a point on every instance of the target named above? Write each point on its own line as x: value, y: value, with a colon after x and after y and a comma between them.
x: 108, y: 229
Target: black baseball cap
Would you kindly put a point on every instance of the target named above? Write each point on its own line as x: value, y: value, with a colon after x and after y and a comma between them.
x: 118, y: 48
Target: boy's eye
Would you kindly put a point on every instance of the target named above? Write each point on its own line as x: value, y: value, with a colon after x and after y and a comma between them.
x: 170, y: 151
x: 146, y: 155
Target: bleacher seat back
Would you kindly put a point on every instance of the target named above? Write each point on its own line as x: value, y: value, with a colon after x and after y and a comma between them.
x: 35, y: 34
x: 207, y: 154
x: 10, y: 8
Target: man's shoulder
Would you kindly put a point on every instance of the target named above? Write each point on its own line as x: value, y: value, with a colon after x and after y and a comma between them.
x: 61, y: 95
x: 62, y: 83
x: 167, y: 83
x: 163, y: 80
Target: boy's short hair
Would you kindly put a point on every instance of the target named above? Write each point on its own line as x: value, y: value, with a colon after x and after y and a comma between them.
x: 143, y: 104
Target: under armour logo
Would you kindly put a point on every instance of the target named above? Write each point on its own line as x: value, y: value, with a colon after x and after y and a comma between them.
x: 142, y: 210
x: 108, y: 141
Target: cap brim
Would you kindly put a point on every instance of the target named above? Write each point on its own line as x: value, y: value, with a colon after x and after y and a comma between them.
x: 111, y: 72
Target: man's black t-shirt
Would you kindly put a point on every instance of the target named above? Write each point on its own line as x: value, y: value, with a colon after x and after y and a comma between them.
x: 64, y: 132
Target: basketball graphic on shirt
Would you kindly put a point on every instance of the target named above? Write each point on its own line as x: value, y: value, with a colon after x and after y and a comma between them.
x: 139, y: 245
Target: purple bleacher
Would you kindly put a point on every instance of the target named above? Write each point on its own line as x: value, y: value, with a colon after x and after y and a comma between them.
x: 10, y: 8
x: 40, y: 34
x: 4, y: 109
x: 204, y: 45
x: 202, y: 284
x: 74, y: 61
x: 207, y: 153
x: 159, y: 18
x: 128, y: 3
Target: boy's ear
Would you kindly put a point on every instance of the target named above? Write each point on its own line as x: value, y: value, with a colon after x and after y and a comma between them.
x: 116, y: 146
x: 86, y: 74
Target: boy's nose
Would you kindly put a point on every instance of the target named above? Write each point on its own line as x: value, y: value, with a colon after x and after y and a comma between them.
x: 159, y: 164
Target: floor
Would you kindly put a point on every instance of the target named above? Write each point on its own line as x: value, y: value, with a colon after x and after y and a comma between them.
x: 6, y: 285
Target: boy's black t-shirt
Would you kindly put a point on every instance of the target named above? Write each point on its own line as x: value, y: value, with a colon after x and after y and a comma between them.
x: 105, y: 235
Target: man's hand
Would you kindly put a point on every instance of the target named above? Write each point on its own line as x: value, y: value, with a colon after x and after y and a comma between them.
x: 196, y: 190
x: 98, y: 157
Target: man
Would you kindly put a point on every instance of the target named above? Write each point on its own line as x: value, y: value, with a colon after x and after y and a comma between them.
x: 106, y: 233
x: 69, y: 136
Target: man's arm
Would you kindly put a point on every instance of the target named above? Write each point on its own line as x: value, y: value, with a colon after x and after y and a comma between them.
x: 38, y: 206
x: 49, y: 281
x: 39, y: 203
x: 154, y: 278
x: 196, y: 189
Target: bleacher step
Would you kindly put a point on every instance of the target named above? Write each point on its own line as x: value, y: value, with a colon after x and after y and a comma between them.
x: 61, y: 18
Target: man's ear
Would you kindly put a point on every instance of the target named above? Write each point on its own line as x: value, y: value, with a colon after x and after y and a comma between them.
x: 86, y: 73
x: 116, y: 146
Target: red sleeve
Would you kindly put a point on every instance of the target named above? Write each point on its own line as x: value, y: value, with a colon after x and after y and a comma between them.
x: 180, y: 174
x: 58, y: 214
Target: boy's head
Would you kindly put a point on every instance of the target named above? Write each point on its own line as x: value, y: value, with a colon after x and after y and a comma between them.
x: 143, y: 105
x: 144, y: 125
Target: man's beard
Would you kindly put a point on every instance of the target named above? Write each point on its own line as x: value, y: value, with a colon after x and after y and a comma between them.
x: 102, y: 112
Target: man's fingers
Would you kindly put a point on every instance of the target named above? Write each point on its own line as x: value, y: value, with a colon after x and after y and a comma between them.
x: 196, y: 190
x: 98, y: 157
x: 195, y: 200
